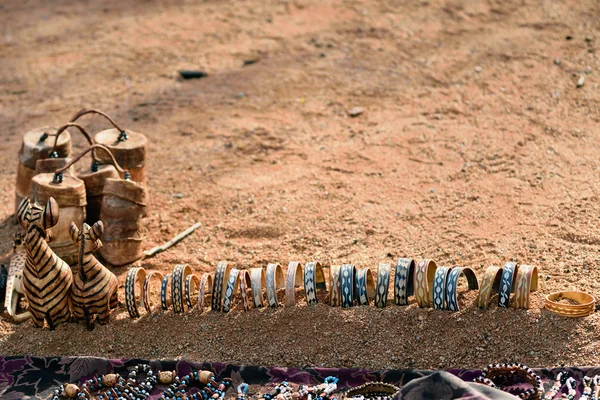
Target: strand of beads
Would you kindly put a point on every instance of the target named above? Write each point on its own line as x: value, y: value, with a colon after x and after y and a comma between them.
x: 595, y: 387
x: 571, y: 385
x: 280, y: 391
x: 555, y: 387
x: 242, y: 389
x: 510, y: 370
x: 178, y: 386
x: 142, y: 390
x: 587, y: 388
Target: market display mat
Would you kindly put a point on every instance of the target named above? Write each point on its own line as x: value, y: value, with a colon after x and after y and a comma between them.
x: 37, y: 377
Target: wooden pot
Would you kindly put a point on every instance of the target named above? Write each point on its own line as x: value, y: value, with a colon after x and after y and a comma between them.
x: 71, y: 199
x: 122, y: 208
x: 37, y: 144
x: 129, y: 150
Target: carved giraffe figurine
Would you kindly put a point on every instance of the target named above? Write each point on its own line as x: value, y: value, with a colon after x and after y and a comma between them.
x: 47, y: 279
x: 94, y: 286
x: 14, y: 283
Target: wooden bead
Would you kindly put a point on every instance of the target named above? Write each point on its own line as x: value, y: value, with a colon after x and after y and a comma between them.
x: 71, y: 390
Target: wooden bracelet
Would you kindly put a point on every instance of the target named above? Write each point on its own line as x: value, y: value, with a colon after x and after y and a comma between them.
x: 294, y: 279
x: 314, y: 278
x: 220, y: 280
x: 383, y: 283
x: 404, y: 281
x: 146, y: 291
x: 364, y: 287
x: 526, y: 281
x: 180, y: 273
x: 164, y: 298
x: 335, y: 291
x: 204, y: 287
x: 452, y: 284
x: 274, y: 281
x: 191, y: 279
x: 232, y: 286
x: 134, y: 275
x: 245, y: 283
x: 347, y: 273
x: 258, y: 280
x: 509, y: 273
x: 424, y: 275
x: 489, y: 284
x: 585, y: 306
x: 439, y: 287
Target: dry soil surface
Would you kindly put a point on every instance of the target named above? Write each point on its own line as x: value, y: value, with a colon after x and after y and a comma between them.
x: 475, y: 147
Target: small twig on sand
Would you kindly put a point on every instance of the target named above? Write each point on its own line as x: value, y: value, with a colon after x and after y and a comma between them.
x: 425, y: 162
x: 172, y: 242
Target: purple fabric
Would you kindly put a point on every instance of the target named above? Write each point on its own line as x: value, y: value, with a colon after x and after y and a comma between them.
x: 28, y: 376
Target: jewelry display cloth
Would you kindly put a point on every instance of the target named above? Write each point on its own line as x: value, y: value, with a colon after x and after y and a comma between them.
x: 29, y: 377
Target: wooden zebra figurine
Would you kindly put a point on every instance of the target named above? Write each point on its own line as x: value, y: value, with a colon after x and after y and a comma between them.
x: 14, y: 284
x: 94, y: 287
x: 47, y: 279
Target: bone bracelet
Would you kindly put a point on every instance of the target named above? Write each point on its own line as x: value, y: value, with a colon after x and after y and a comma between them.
x: 526, y: 281
x: 164, y: 298
x: 146, y: 292
x: 404, y: 281
x: 204, y: 287
x: 509, y: 273
x: 383, y: 283
x: 314, y: 278
x: 180, y: 273
x: 274, y: 281
x: 439, y: 287
x: 452, y: 283
x: 364, y: 288
x: 231, y: 287
x: 293, y: 279
x: 335, y: 291
x: 585, y: 304
x: 489, y: 284
x: 424, y: 275
x: 257, y: 279
x: 190, y: 281
x: 347, y: 273
x: 134, y: 275
x: 245, y: 283
x: 221, y: 276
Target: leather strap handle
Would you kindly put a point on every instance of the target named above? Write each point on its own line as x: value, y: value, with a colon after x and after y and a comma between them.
x: 122, y: 134
x: 58, y: 173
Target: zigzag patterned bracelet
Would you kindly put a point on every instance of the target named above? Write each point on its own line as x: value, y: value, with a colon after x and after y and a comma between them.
x: 274, y: 281
x: 335, y: 290
x: 347, y: 273
x: 527, y: 280
x: 452, y: 283
x: 164, y: 298
x: 180, y: 273
x: 424, y: 276
x: 230, y: 288
x: 383, y: 283
x: 134, y: 275
x: 439, y: 287
x: 509, y: 272
x: 293, y: 280
x: 221, y: 275
x: 404, y: 281
x: 489, y: 284
x: 364, y: 288
x: 314, y: 278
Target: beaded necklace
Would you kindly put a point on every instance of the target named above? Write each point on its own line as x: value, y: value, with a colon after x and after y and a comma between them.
x: 494, y: 371
x: 555, y: 386
x: 587, y: 389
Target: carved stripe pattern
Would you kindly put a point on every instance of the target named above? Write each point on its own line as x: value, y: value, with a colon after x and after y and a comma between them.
x: 218, y: 285
x: 452, y: 282
x: 146, y: 292
x: 362, y: 289
x: 489, y: 284
x: 257, y: 276
x: 383, y: 283
x: 164, y: 287
x: 309, y: 283
x: 439, y: 288
x: 294, y: 274
x: 403, y: 281
x: 421, y: 287
x: 347, y: 285
x: 244, y: 279
x: 134, y: 275
x: 506, y: 283
x: 204, y: 287
x: 232, y: 283
x: 524, y: 285
x: 273, y: 271
x: 335, y: 291
x: 180, y: 273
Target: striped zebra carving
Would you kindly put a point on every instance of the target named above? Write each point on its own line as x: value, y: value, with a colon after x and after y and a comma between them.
x: 47, y: 279
x: 94, y: 286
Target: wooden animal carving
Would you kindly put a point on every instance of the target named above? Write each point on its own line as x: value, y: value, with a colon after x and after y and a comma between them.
x: 47, y: 279
x: 14, y: 284
x: 94, y: 287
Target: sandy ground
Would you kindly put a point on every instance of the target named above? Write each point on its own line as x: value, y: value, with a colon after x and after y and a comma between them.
x: 475, y: 147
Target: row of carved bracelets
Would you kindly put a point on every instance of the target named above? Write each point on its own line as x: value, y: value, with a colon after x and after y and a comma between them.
x: 346, y: 286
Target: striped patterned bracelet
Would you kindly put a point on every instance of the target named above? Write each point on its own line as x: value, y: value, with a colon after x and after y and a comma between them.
x: 404, y: 281
x: 509, y: 273
x: 314, y: 278
x: 383, y: 283
x: 489, y: 284
x: 204, y: 287
x: 219, y: 283
x: 293, y: 280
x: 165, y: 299
x: 258, y: 281
x: 232, y: 285
x: 134, y: 275
x: 180, y: 273
x: 347, y: 273
x: 364, y: 288
x: 146, y: 291
x: 526, y: 281
x: 274, y: 281
x: 424, y: 276
x: 452, y: 284
x: 439, y: 287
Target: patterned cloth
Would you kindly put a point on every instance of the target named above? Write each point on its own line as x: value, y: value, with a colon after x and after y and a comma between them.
x: 36, y: 377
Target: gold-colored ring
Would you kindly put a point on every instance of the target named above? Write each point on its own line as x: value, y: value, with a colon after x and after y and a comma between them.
x: 586, y: 304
